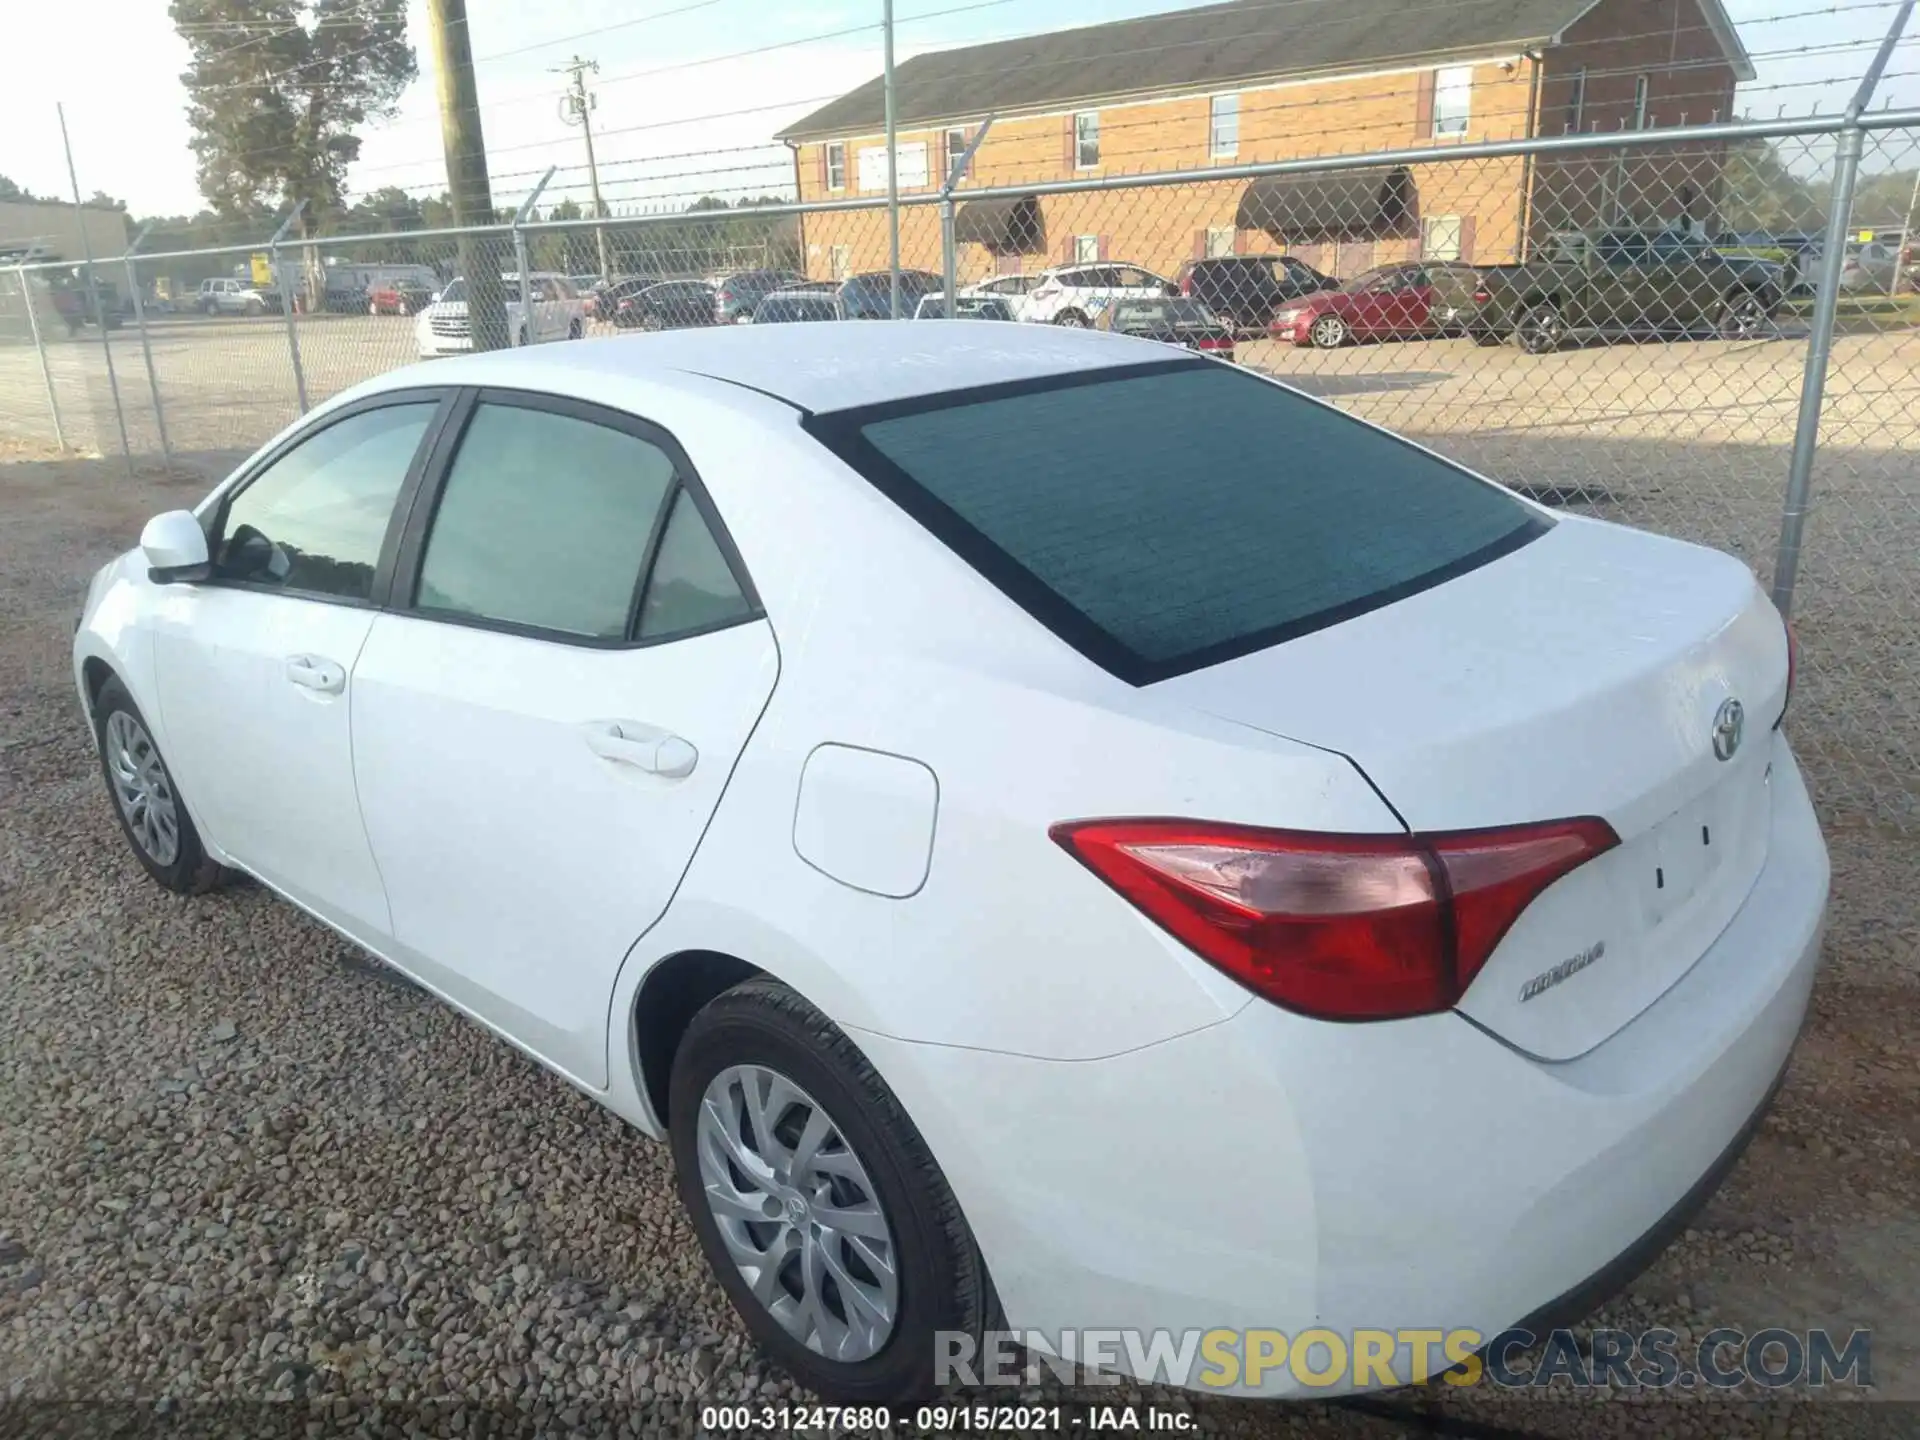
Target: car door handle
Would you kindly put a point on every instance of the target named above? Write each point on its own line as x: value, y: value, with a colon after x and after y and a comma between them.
x: 310, y: 672
x: 645, y: 747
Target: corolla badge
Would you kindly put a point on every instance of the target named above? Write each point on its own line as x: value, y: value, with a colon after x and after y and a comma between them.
x: 1729, y: 724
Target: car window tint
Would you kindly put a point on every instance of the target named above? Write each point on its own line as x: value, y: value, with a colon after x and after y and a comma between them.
x: 1163, y: 520
x: 544, y: 522
x: 692, y: 587
x: 314, y: 520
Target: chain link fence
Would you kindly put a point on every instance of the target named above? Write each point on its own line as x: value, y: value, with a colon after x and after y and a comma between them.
x: 1624, y: 326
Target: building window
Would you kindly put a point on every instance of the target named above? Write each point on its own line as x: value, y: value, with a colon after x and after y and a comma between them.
x: 1220, y: 240
x: 910, y: 167
x: 1577, y: 106
x: 1452, y: 100
x: 956, y: 147
x: 1223, y: 127
x: 1086, y: 139
x: 1086, y: 249
x: 1640, y: 103
x: 836, y: 165
x: 841, y: 258
x: 1440, y: 238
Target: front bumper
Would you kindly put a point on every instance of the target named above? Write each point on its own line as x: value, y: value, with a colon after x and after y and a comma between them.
x: 1272, y: 1172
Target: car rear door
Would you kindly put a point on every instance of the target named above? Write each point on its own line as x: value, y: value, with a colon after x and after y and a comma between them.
x: 546, y: 718
x: 253, y: 667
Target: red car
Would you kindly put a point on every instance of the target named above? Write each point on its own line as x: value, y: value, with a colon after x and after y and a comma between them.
x: 405, y: 297
x: 1385, y: 303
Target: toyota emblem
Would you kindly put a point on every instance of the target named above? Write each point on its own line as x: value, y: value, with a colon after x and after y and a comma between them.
x: 1729, y: 724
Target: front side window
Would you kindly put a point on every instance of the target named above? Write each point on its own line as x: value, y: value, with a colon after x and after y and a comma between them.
x: 837, y: 165
x: 1452, y: 100
x: 1076, y: 497
x: 314, y: 520
x: 1086, y: 139
x: 1223, y: 127
x: 544, y: 522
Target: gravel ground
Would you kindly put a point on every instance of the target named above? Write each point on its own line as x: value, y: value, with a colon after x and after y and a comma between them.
x: 252, y: 1183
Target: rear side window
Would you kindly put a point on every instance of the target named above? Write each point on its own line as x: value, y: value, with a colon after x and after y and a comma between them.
x: 1166, y: 517
x: 544, y: 523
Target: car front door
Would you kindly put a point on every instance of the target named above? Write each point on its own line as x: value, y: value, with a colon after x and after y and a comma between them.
x: 546, y: 719
x: 253, y: 666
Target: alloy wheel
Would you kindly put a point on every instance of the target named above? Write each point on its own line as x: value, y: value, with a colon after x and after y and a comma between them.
x: 798, y: 1213
x: 1746, y: 316
x: 141, y: 788
x: 1329, y: 332
x: 1540, y: 330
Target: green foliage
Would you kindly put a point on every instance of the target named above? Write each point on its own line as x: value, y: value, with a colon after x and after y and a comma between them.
x: 277, y: 89
x: 9, y: 190
x: 1763, y: 194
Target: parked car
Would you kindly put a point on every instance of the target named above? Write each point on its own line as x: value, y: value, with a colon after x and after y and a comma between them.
x: 1006, y: 803
x: 965, y: 307
x: 399, y: 297
x: 785, y: 307
x: 443, y: 328
x: 735, y: 295
x: 1011, y: 288
x: 658, y: 304
x: 1388, y: 302
x: 870, y: 296
x: 1172, y: 320
x: 235, y: 297
x: 1626, y: 282
x: 1073, y: 294
x: 1870, y: 267
x: 1248, y: 289
x: 76, y: 307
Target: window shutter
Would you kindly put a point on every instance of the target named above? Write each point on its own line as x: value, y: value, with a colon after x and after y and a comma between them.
x: 1069, y: 155
x: 1240, y: 241
x: 1104, y: 246
x: 1466, y: 238
x: 1423, y: 106
x: 1199, y: 244
x: 823, y: 169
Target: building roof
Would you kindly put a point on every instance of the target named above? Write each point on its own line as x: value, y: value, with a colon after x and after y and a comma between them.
x: 1210, y: 47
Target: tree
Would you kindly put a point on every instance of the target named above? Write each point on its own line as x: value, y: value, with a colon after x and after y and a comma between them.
x: 10, y: 191
x: 277, y: 89
x: 1763, y: 194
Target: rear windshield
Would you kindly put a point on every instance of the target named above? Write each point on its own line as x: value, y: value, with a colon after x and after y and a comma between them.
x: 1164, y: 517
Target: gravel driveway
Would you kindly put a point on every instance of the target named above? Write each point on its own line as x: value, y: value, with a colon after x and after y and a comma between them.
x: 242, y: 1166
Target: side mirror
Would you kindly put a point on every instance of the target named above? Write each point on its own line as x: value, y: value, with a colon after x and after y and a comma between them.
x: 436, y: 297
x: 175, y: 547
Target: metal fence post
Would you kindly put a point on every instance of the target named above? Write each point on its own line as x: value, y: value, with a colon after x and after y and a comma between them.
x: 949, y: 244
x: 523, y: 332
x: 40, y: 348
x: 286, y: 303
x: 1826, y: 302
x: 93, y: 292
x: 146, y: 345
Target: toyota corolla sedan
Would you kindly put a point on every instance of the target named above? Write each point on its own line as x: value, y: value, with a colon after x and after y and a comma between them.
x: 1043, y: 826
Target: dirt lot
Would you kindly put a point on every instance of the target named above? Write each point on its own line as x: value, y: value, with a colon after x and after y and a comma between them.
x: 241, y: 1165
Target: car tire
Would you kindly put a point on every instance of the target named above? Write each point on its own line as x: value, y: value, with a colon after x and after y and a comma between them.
x: 650, y: 321
x: 1072, y: 319
x: 522, y: 341
x: 1540, y: 330
x: 756, y: 1036
x: 152, y: 815
x: 1329, y: 332
x: 573, y: 330
x: 1745, y: 316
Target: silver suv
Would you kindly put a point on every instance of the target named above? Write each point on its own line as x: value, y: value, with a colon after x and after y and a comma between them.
x: 233, y: 297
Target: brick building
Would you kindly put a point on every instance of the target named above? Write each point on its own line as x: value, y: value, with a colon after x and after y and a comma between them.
x: 1264, y: 80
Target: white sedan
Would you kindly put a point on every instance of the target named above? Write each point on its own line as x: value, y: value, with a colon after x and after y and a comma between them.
x: 1043, y: 826
x: 556, y: 312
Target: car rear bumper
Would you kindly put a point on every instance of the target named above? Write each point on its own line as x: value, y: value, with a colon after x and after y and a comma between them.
x: 1272, y: 1172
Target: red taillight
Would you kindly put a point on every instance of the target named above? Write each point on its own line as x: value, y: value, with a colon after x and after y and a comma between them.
x: 1340, y: 927
x: 1481, y: 295
x: 1186, y: 284
x: 1213, y: 342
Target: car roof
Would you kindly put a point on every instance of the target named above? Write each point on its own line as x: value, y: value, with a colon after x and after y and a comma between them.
x: 816, y: 368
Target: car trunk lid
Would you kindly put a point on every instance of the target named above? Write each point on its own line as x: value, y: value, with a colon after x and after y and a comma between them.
x: 1587, y: 673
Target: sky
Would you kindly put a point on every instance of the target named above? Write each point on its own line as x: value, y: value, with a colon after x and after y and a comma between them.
x: 684, y: 87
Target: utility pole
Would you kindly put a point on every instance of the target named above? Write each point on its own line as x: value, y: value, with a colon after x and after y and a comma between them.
x: 466, y: 152
x: 576, y: 108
